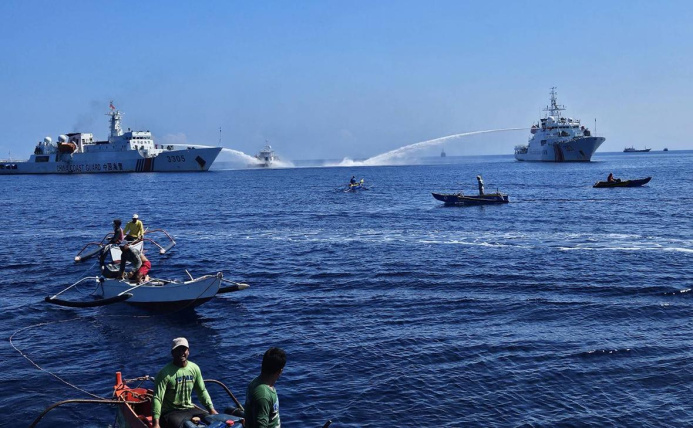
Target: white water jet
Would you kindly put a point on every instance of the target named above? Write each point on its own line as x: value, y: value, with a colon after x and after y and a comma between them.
x: 388, y: 157
x: 250, y: 160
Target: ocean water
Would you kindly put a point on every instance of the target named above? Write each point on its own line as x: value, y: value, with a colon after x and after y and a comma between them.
x: 570, y: 306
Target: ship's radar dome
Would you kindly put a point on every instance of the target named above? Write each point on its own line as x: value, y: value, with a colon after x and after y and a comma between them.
x: 47, y: 140
x: 62, y: 138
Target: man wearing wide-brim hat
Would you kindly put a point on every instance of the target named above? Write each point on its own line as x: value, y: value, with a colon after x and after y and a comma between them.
x: 172, y: 404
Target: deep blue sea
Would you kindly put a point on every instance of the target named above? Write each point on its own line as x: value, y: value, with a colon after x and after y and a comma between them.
x: 569, y: 306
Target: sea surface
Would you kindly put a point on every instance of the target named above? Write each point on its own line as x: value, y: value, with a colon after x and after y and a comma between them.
x: 569, y: 306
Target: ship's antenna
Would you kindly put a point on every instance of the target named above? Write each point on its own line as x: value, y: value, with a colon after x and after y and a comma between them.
x: 555, y: 108
x: 595, y: 126
x: 220, y: 135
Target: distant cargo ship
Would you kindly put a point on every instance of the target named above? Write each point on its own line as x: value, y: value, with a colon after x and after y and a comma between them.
x: 131, y: 151
x: 558, y: 139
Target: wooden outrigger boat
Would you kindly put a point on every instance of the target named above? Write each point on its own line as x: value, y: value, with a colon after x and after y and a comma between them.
x: 623, y: 183
x: 460, y: 199
x: 155, y: 294
x: 134, y: 406
x: 93, y: 248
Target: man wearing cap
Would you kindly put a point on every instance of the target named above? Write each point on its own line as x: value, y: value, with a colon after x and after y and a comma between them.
x: 261, y: 401
x: 134, y: 229
x: 172, y: 403
x: 140, y: 263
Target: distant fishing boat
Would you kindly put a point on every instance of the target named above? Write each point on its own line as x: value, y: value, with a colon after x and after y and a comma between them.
x: 442, y: 153
x: 460, y: 199
x: 632, y: 149
x: 623, y: 183
x: 266, y: 156
x: 665, y: 150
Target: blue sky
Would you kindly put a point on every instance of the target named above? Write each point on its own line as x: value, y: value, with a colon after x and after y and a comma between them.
x: 335, y: 79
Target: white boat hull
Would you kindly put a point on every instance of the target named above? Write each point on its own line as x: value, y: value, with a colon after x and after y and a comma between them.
x: 575, y: 150
x: 163, y: 293
x: 186, y: 160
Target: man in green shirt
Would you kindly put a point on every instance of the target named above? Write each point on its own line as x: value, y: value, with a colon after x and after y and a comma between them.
x: 173, y: 388
x: 261, y: 401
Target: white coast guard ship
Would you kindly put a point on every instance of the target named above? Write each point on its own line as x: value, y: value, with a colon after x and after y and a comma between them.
x: 131, y: 151
x: 558, y: 139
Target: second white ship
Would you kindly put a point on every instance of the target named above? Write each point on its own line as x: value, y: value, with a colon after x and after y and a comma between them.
x: 558, y: 139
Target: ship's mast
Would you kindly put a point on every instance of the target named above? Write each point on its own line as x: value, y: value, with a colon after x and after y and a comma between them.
x: 115, y: 128
x: 555, y: 109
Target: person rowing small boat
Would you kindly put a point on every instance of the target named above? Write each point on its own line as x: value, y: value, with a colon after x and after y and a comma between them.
x: 622, y: 183
x: 355, y: 185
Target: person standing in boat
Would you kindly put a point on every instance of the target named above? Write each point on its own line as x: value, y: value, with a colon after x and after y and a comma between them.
x: 261, y: 400
x: 481, y: 185
x: 117, y: 232
x: 140, y: 263
x: 172, y: 403
x: 353, y: 180
x: 134, y: 229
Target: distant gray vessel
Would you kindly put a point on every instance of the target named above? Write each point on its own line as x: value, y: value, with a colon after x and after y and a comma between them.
x: 131, y: 151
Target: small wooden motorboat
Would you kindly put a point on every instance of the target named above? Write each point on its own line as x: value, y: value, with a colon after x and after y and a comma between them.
x: 460, y: 199
x: 93, y: 248
x: 623, y: 183
x: 134, y: 406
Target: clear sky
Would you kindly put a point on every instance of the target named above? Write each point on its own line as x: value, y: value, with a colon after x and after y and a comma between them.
x: 334, y: 79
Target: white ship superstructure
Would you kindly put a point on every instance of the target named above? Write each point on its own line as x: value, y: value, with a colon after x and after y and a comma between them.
x: 124, y: 151
x: 558, y: 139
x: 266, y: 156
